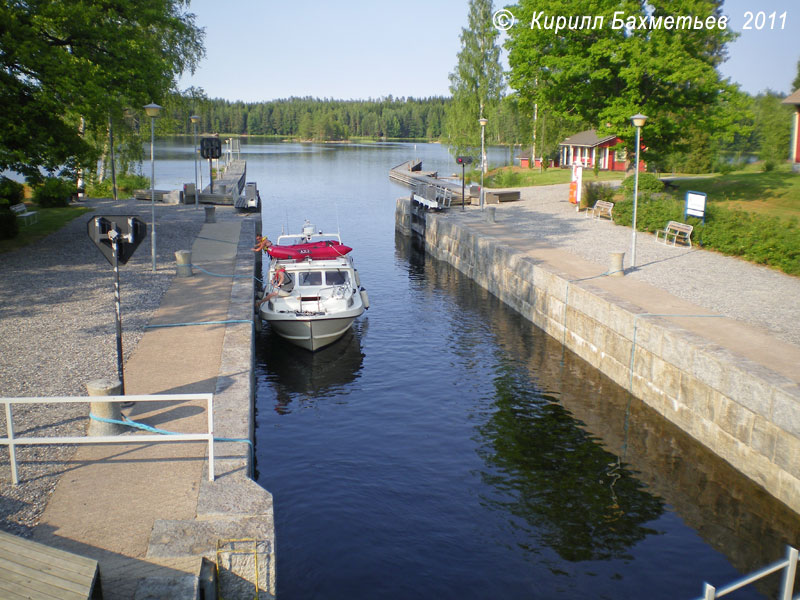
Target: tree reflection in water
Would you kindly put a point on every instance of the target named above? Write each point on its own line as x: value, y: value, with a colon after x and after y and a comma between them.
x: 560, y: 485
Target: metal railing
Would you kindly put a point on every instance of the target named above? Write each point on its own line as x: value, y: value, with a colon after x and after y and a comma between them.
x: 436, y: 196
x: 12, y: 441
x: 788, y: 564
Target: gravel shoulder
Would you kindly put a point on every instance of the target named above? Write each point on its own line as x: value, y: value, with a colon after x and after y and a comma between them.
x: 57, y: 332
x: 750, y: 293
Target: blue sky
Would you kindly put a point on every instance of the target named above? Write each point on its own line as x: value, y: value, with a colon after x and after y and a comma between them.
x: 263, y: 49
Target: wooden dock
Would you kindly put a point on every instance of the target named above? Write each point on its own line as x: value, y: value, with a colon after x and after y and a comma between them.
x: 228, y: 187
x: 410, y: 173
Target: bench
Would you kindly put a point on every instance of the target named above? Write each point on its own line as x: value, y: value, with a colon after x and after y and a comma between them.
x: 601, y: 207
x: 22, y: 211
x: 678, y: 231
x: 32, y: 570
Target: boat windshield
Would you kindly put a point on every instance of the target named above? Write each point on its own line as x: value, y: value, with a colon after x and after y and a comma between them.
x: 336, y: 277
x: 310, y: 278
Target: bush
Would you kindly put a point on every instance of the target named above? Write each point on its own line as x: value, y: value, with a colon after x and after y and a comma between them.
x: 594, y: 191
x: 506, y: 178
x: 11, y: 190
x: 126, y: 184
x: 757, y: 238
x: 8, y: 223
x: 53, y: 192
x: 647, y: 183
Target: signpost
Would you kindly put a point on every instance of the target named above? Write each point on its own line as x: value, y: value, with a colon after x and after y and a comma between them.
x: 695, y: 205
x: 211, y: 148
x: 117, y: 237
x: 463, y: 161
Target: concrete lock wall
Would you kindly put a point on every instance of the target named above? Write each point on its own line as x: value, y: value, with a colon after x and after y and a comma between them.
x: 743, y: 412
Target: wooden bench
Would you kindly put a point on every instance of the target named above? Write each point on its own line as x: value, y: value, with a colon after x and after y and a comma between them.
x: 32, y: 570
x: 678, y: 231
x: 601, y: 207
x: 22, y: 211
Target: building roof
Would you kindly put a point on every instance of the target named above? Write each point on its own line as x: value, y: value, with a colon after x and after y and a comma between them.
x: 792, y: 98
x: 587, y: 138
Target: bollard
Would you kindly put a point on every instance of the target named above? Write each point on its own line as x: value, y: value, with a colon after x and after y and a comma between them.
x: 184, y: 261
x: 490, y: 214
x: 106, y: 410
x: 615, y: 268
x: 211, y: 214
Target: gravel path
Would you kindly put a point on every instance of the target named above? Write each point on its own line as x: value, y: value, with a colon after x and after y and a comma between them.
x: 744, y: 291
x: 57, y: 332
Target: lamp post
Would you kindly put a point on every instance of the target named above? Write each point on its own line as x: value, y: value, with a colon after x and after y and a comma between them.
x: 194, y: 119
x: 152, y: 111
x: 483, y: 121
x: 638, y: 120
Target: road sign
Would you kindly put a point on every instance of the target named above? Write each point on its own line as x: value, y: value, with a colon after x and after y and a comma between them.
x: 129, y: 231
x: 210, y: 147
x: 464, y: 160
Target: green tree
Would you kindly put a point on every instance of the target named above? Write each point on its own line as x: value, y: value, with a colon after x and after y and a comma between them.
x: 796, y: 82
x: 772, y: 127
x: 61, y: 62
x: 476, y: 84
x: 604, y: 74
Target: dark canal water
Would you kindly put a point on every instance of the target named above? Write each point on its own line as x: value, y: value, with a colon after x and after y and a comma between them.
x: 446, y: 448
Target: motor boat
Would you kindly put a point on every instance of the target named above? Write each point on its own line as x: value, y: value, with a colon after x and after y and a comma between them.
x: 325, y: 295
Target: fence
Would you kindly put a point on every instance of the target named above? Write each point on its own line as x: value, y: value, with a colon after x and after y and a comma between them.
x: 12, y: 441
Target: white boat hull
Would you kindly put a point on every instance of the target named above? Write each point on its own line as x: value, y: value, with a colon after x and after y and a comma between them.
x: 311, y: 333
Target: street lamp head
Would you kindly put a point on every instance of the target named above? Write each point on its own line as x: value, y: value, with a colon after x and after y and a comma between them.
x: 152, y: 110
x: 639, y: 119
x: 195, y: 119
x: 483, y: 121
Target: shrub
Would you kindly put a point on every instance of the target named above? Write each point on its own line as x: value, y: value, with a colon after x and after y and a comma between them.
x: 594, y: 191
x: 647, y: 183
x: 8, y: 223
x: 506, y: 178
x: 53, y: 192
x: 11, y: 190
x: 126, y: 184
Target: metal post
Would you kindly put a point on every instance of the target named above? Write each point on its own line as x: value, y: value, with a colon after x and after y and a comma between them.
x: 196, y: 194
x: 113, y: 161
x: 483, y: 159
x: 211, y: 175
x: 12, y: 451
x: 153, y: 191
x: 211, y: 437
x: 787, y: 586
x: 463, y: 199
x: 635, y: 200
x: 118, y: 311
x: 709, y: 592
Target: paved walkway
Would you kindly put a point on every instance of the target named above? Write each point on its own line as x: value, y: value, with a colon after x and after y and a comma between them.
x: 107, y: 501
x: 760, y: 315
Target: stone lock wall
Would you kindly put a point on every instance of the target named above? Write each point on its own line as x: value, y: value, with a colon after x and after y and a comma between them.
x: 743, y: 412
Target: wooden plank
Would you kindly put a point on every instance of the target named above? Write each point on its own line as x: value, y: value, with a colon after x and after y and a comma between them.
x: 35, y: 550
x: 54, y: 577
x: 14, y: 585
x: 46, y: 565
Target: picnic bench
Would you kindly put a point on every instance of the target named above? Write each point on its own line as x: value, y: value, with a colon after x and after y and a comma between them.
x: 32, y: 570
x: 678, y: 231
x: 601, y: 207
x: 22, y: 211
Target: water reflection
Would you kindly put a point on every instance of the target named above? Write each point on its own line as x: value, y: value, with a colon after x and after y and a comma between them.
x: 565, y: 466
x: 302, y: 376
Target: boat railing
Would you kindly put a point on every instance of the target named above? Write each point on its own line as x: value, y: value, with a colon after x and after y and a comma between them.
x: 11, y: 440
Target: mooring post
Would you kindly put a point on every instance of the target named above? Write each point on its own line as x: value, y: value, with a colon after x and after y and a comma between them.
x: 490, y: 214
x: 105, y: 410
x: 183, y: 259
x: 615, y: 268
x: 211, y: 214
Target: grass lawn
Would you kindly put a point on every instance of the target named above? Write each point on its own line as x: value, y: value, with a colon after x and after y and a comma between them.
x: 523, y: 177
x: 774, y: 193
x: 50, y: 220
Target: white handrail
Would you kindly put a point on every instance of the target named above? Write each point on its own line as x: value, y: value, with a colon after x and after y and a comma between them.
x: 788, y: 564
x: 12, y: 441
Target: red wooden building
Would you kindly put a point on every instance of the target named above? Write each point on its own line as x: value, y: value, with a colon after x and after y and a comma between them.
x: 794, y: 99
x: 588, y: 148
